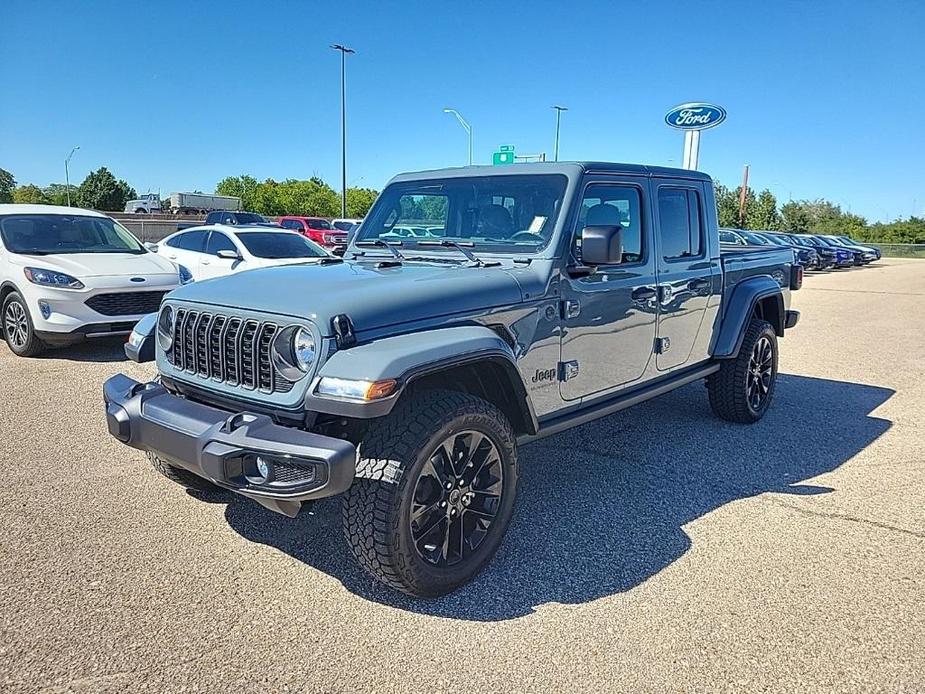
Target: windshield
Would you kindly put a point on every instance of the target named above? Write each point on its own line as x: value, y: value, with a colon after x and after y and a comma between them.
x: 249, y: 218
x: 776, y: 240
x: 43, y: 234
x: 343, y: 226
x: 503, y: 213
x: 274, y: 244
x: 755, y: 239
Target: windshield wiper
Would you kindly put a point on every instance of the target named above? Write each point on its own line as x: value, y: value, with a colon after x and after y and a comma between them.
x: 379, y: 243
x: 461, y: 247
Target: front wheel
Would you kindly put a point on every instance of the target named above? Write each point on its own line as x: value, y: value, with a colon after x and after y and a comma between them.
x: 18, y: 329
x: 742, y: 389
x: 434, y: 493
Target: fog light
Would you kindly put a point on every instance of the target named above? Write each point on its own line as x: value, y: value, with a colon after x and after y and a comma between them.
x: 263, y: 468
x: 45, y: 309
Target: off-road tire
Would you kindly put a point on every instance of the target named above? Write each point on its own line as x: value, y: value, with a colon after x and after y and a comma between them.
x: 728, y: 387
x: 33, y: 345
x: 182, y: 477
x: 394, y: 450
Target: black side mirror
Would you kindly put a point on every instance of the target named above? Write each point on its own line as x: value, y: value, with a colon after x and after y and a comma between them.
x: 602, y: 245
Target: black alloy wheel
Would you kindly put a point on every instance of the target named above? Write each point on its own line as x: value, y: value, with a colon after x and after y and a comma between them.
x: 456, y: 498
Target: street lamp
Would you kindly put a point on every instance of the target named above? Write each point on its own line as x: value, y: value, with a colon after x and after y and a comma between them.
x: 343, y: 125
x: 67, y: 177
x: 558, y: 110
x: 466, y: 127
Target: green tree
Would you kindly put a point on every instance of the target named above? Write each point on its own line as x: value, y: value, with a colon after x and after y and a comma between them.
x: 795, y: 218
x: 727, y: 206
x: 56, y: 193
x: 764, y: 214
x: 101, y: 191
x: 359, y: 200
x: 313, y: 197
x: 243, y: 186
x: 7, y: 183
x: 30, y: 194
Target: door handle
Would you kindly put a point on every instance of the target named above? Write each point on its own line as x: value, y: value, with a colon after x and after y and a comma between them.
x: 696, y: 285
x: 643, y: 293
x: 172, y: 257
x: 204, y: 262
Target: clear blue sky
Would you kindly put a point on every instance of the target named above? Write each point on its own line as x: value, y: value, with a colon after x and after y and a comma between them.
x: 825, y: 99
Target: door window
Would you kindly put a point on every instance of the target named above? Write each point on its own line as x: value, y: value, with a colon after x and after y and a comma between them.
x: 609, y: 205
x: 189, y: 241
x: 679, y: 223
x: 219, y: 242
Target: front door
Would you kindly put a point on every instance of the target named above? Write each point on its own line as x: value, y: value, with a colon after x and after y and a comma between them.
x: 609, y: 312
x: 688, y: 275
x: 210, y: 265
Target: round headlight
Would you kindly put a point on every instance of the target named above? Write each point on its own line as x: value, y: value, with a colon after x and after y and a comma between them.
x: 303, y: 349
x: 165, y: 325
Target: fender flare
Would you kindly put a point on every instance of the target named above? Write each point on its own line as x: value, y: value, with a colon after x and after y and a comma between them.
x: 745, y: 297
x: 412, y: 356
x: 6, y: 287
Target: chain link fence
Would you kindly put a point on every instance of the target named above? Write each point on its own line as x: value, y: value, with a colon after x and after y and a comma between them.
x: 901, y: 250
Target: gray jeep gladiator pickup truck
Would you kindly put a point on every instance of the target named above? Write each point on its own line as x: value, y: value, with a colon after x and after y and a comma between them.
x: 476, y: 310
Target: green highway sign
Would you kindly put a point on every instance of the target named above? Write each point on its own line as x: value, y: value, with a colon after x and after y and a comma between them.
x: 504, y: 155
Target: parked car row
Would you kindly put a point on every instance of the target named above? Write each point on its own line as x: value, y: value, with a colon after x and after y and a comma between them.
x: 812, y: 251
x: 69, y: 274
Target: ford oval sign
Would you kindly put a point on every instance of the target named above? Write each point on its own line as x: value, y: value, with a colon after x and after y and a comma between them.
x: 695, y: 116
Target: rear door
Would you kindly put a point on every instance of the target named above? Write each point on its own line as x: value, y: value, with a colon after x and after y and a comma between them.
x: 689, y: 273
x: 186, y: 249
x: 608, y: 313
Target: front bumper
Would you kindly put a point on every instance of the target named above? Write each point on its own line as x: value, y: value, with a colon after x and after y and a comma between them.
x: 222, y: 446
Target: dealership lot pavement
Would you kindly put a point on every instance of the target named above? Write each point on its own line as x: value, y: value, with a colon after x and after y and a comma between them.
x: 656, y: 550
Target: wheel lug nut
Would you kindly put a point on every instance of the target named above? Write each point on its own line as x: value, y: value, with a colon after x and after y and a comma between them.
x: 442, y: 504
x: 461, y: 483
x: 449, y: 485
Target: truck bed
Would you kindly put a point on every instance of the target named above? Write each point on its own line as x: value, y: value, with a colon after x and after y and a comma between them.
x: 741, y: 262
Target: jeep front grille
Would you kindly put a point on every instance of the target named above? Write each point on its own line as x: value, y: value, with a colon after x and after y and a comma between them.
x: 227, y: 349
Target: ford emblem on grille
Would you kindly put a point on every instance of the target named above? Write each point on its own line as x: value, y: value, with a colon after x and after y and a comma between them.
x: 137, y: 279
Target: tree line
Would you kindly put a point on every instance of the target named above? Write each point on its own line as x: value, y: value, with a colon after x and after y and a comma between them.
x: 809, y: 216
x: 100, y: 190
x: 312, y: 197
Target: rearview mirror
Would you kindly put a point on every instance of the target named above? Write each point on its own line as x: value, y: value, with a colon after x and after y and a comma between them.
x: 602, y: 245
x: 228, y: 255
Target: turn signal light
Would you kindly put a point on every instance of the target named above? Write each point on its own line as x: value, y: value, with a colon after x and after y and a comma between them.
x: 357, y: 390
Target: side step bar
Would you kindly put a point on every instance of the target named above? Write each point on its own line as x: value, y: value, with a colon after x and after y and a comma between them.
x: 621, y: 401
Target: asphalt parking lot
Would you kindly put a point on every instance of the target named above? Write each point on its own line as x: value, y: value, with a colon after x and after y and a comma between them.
x: 659, y: 549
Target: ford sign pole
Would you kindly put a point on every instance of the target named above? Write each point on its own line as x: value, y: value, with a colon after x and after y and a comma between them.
x: 692, y: 118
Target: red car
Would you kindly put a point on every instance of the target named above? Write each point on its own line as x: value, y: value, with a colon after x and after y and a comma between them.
x: 318, y: 230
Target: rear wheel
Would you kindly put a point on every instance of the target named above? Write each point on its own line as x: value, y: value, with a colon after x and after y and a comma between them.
x: 741, y: 391
x: 434, y: 492
x: 18, y: 330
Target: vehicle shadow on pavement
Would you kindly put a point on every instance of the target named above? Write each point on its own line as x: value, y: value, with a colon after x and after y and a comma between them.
x: 601, y: 508
x: 104, y: 349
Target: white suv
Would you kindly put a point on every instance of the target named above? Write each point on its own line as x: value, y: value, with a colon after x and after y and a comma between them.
x: 68, y: 274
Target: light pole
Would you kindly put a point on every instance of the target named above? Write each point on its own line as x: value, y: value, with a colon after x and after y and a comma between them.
x: 466, y: 127
x: 558, y: 110
x: 67, y: 177
x: 343, y: 125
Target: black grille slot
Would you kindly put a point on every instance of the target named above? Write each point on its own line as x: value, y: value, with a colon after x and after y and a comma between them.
x: 125, y: 303
x: 230, y: 350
